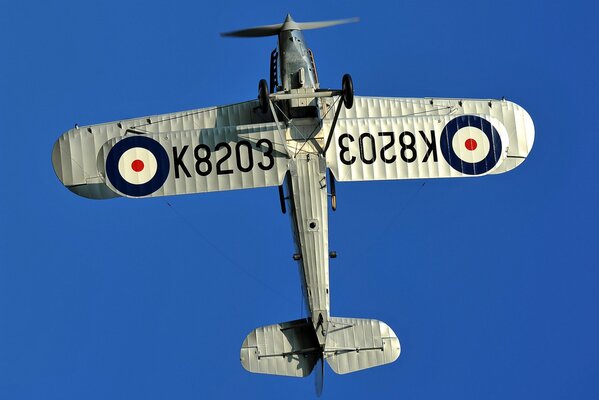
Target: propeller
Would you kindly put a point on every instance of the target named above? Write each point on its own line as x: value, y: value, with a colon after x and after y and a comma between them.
x: 319, y: 377
x: 288, y: 25
x: 325, y: 24
x: 258, y: 31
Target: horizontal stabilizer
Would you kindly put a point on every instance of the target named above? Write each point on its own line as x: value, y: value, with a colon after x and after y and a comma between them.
x: 289, y: 349
x: 354, y: 344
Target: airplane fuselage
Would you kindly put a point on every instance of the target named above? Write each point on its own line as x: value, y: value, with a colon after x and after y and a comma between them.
x: 306, y: 182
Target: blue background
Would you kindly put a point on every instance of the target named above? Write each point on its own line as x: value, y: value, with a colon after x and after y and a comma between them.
x: 490, y: 284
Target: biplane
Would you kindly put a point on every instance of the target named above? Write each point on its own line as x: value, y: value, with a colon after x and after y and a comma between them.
x: 303, y: 139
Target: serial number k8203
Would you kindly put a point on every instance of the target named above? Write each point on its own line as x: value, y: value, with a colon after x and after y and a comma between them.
x: 220, y: 158
x: 385, y: 147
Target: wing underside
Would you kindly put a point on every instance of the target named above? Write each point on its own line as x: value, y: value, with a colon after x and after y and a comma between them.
x: 403, y: 138
x: 218, y: 148
x: 238, y: 147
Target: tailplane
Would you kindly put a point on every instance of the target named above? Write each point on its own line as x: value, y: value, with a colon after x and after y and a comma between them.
x: 292, y: 348
x: 289, y: 349
x: 354, y: 344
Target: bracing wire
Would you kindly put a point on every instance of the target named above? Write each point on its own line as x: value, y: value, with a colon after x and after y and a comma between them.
x: 188, y: 114
x: 225, y: 254
x: 310, y: 136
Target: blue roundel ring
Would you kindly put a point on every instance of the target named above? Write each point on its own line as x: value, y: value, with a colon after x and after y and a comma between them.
x: 131, y: 189
x: 456, y: 162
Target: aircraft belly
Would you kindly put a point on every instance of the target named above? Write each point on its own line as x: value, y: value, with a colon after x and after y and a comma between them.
x: 309, y: 206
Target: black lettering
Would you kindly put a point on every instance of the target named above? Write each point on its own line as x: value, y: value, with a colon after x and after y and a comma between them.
x: 219, y: 163
x: 431, y: 146
x: 372, y: 148
x: 388, y: 146
x: 249, y: 158
x: 205, y: 159
x: 178, y: 161
x: 267, y: 154
x: 344, y: 149
x: 405, y: 147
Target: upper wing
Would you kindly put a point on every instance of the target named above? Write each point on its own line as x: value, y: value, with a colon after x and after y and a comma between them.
x: 402, y: 138
x: 219, y: 148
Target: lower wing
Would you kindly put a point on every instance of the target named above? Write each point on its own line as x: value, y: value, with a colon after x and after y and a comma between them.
x: 402, y: 138
x: 219, y: 148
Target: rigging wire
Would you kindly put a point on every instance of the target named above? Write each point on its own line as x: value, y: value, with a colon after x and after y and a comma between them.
x: 390, y: 222
x: 450, y: 108
x: 196, y: 112
x: 316, y: 127
x: 401, y: 211
x: 290, y: 123
x: 224, y: 254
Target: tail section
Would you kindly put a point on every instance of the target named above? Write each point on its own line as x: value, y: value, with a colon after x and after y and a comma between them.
x: 288, y: 349
x: 292, y: 349
x: 354, y: 344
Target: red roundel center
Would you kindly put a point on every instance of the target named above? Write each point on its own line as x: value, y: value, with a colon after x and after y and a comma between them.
x: 137, y: 165
x: 471, y: 144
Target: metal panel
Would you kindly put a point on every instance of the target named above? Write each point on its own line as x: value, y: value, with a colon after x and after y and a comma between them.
x: 289, y: 349
x: 397, y: 138
x: 354, y: 344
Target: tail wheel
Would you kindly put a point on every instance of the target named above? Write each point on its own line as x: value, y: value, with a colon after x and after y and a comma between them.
x: 347, y: 91
x: 263, y: 95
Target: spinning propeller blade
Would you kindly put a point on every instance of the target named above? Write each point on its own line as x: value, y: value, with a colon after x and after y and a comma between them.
x: 325, y: 24
x: 258, y: 31
x: 289, y: 24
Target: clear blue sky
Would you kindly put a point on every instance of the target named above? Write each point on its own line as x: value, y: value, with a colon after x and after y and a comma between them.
x: 490, y: 284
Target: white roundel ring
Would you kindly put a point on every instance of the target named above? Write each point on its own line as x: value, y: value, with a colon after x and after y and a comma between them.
x: 471, y: 144
x: 137, y: 166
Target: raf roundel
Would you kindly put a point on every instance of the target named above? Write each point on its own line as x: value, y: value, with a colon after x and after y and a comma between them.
x: 471, y: 144
x: 137, y: 166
